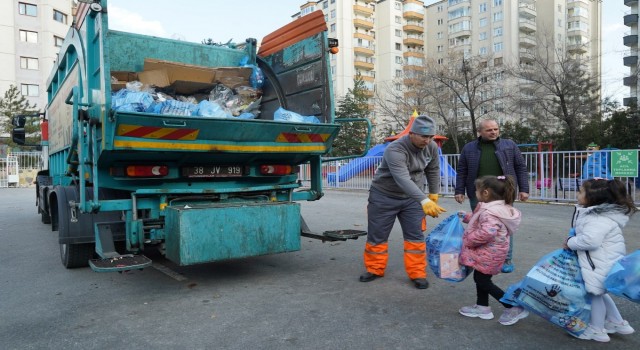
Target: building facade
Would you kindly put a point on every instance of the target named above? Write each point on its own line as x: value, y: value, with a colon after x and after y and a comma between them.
x: 631, y: 57
x: 31, y: 33
x: 381, y: 40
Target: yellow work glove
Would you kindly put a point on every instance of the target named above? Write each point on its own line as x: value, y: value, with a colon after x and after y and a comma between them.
x: 434, y: 197
x: 431, y: 208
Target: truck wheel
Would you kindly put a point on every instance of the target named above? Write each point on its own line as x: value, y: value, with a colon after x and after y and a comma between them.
x: 44, y: 217
x: 76, y: 255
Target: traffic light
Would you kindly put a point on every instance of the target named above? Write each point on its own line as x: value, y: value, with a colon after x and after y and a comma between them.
x: 17, y: 134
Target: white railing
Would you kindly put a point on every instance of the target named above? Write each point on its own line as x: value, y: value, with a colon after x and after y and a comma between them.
x: 553, y: 176
x: 18, y: 168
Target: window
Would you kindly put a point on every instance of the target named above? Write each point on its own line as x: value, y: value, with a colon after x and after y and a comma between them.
x: 28, y: 63
x: 27, y: 9
x: 440, y: 48
x: 497, y: 31
x: 333, y: 27
x: 29, y: 90
x: 497, y: 16
x: 57, y: 41
x: 497, y: 2
x: 325, y: 5
x: 559, y: 23
x: 439, y: 35
x: 497, y: 61
x: 398, y: 46
x: 440, y: 21
x: 482, y: 36
x: 559, y: 8
x: 440, y: 60
x: 483, y: 7
x: 398, y: 33
x: 482, y: 22
x: 440, y: 8
x: 28, y: 36
x: 398, y: 60
x: 497, y: 47
x: 398, y: 73
x: 333, y: 14
x: 326, y: 18
x: 483, y: 51
x: 333, y: 1
x: 333, y: 69
x: 398, y: 87
x: 397, y: 5
x: 398, y: 19
x: 59, y: 17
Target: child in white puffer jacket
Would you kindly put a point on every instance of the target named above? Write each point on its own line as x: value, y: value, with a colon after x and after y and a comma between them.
x: 603, y: 209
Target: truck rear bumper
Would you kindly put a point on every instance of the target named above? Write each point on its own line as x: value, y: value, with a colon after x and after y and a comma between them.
x: 214, y: 232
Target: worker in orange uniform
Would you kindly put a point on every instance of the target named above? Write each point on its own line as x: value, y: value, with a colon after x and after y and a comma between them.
x: 397, y: 190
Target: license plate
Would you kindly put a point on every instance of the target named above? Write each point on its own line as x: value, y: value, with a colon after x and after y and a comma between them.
x: 212, y: 171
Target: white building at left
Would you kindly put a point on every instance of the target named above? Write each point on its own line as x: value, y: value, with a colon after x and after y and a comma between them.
x: 31, y: 33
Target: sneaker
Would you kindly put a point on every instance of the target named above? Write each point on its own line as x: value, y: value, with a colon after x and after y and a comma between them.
x: 621, y: 328
x: 484, y: 312
x: 508, y: 266
x: 513, y: 315
x: 592, y: 333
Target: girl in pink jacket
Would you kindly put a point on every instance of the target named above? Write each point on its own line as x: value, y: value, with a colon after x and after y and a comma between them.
x: 486, y: 244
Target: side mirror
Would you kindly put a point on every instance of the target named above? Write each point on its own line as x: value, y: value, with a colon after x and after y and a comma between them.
x: 19, y: 121
x: 18, y: 136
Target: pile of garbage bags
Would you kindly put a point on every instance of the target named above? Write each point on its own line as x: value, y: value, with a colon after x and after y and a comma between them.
x: 221, y: 102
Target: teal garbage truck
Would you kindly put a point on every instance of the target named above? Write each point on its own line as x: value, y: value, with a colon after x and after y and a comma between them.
x: 187, y: 148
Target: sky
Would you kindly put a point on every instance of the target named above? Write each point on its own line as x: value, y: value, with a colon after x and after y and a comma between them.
x: 223, y: 20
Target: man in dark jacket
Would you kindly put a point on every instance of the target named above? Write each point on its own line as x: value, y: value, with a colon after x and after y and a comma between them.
x: 490, y: 155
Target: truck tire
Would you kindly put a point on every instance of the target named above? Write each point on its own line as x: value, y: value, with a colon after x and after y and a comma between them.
x: 76, y: 255
x: 44, y: 217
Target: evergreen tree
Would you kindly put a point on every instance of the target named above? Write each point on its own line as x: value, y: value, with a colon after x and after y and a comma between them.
x: 352, y: 135
x: 13, y: 104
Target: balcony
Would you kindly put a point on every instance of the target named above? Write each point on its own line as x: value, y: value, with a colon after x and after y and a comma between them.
x: 630, y: 2
x: 631, y: 80
x: 363, y: 50
x: 528, y: 40
x: 368, y: 93
x: 630, y: 40
x: 419, y: 54
x: 527, y: 25
x: 413, y: 15
x: 365, y: 36
x: 631, y: 19
x: 413, y: 41
x: 526, y: 55
x: 527, y: 10
x: 361, y: 64
x: 363, y: 10
x: 577, y: 48
x: 630, y: 101
x: 631, y: 60
x: 363, y: 23
x: 412, y: 28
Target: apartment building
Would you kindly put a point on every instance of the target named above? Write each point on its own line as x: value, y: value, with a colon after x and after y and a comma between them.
x: 381, y: 40
x: 631, y: 57
x: 31, y: 33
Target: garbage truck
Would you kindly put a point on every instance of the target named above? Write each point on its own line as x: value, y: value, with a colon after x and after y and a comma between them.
x: 129, y: 170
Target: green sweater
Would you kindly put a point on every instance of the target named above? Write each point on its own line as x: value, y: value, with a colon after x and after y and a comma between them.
x: 489, y: 164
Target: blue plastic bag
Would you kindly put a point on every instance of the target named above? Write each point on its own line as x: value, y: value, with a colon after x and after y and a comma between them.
x: 284, y: 115
x: 444, y: 244
x: 624, y: 278
x: 554, y: 289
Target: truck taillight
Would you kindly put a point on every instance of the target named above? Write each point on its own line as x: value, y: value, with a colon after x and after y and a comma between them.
x: 277, y: 169
x: 147, y: 170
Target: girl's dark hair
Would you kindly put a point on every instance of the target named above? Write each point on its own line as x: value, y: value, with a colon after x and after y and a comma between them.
x: 500, y: 187
x: 600, y: 191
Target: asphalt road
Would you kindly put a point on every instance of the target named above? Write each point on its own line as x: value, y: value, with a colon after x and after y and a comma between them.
x: 309, y: 299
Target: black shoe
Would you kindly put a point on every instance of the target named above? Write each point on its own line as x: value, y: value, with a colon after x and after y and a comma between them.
x: 368, y: 277
x: 421, y: 283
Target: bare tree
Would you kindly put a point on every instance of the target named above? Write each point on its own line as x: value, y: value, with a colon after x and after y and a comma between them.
x: 468, y: 84
x: 560, y: 84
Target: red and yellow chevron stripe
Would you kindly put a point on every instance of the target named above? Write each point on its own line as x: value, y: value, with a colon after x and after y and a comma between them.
x: 301, y: 138
x: 151, y: 132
